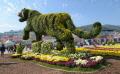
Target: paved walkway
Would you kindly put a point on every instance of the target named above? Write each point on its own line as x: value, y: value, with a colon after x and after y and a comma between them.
x: 10, y: 66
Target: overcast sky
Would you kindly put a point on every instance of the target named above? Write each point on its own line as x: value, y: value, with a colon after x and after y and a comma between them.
x: 83, y: 12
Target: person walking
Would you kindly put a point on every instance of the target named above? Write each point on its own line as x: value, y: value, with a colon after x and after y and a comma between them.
x: 14, y: 48
x: 2, y: 49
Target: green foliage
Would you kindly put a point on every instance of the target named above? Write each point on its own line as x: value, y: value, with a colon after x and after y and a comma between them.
x: 96, y: 29
x: 65, y: 53
x: 76, y: 55
x: 110, y: 42
x: 36, y: 46
x: 70, y: 46
x: 92, y: 34
x: 19, y: 49
x: 58, y: 25
x: 59, y: 46
x: 55, y: 52
x: 46, y: 47
x: 80, y: 55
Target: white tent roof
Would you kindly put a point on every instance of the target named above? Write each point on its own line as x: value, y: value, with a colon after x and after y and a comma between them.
x: 9, y: 43
x: 0, y: 44
x: 26, y: 42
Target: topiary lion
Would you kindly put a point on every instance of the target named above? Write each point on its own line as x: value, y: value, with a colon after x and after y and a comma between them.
x: 58, y: 25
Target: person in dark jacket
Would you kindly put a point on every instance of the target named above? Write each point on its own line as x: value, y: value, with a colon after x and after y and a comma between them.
x: 14, y: 48
x: 2, y: 49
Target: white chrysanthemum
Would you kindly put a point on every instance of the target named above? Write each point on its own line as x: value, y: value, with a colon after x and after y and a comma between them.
x: 84, y: 62
x: 97, y: 58
x: 92, y: 58
x: 80, y: 61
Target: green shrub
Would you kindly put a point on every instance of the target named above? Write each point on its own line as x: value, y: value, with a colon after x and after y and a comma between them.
x: 82, y: 54
x: 36, y: 47
x: 55, y: 52
x: 65, y: 53
x: 20, y: 49
x: 76, y: 55
x: 46, y: 47
x: 110, y: 42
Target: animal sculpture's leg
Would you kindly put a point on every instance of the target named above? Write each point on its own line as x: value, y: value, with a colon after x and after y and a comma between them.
x: 70, y: 45
x: 59, y: 45
x: 38, y: 37
x: 65, y: 35
x: 26, y: 35
x: 27, y: 29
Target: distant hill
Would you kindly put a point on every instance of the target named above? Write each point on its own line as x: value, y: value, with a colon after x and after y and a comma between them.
x: 104, y: 27
x: 12, y: 32
x: 1, y: 34
x: 86, y: 27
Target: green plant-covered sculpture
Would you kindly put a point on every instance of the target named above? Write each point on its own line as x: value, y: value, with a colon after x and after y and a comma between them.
x: 58, y: 25
x: 20, y: 48
x: 36, y: 46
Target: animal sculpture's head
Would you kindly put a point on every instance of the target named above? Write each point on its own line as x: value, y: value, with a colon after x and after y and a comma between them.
x: 24, y: 14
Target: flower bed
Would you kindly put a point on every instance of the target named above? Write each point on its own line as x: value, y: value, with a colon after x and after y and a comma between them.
x: 90, y: 62
x: 111, y: 46
x: 106, y: 52
x: 102, y: 51
x: 15, y: 55
x: 63, y: 61
x: 51, y: 58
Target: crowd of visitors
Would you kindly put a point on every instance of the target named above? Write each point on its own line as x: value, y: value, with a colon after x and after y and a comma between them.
x: 9, y: 49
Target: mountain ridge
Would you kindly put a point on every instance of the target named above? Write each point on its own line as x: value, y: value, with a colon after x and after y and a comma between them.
x: 104, y: 27
x: 86, y: 27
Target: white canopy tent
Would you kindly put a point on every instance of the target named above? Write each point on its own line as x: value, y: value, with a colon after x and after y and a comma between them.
x: 0, y: 44
x: 9, y: 43
x: 26, y: 42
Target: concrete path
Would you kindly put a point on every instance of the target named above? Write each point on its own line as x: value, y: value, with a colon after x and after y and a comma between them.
x: 20, y: 67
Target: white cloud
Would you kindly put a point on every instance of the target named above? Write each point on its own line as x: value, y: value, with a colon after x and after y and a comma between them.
x: 45, y: 3
x: 29, y: 7
x: 64, y: 5
x: 5, y: 1
x: 10, y: 7
x: 76, y: 15
x: 22, y: 1
x: 6, y: 25
x: 34, y: 5
x: 10, y: 10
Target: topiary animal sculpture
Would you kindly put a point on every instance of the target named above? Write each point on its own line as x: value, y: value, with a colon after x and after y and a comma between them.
x: 58, y: 25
